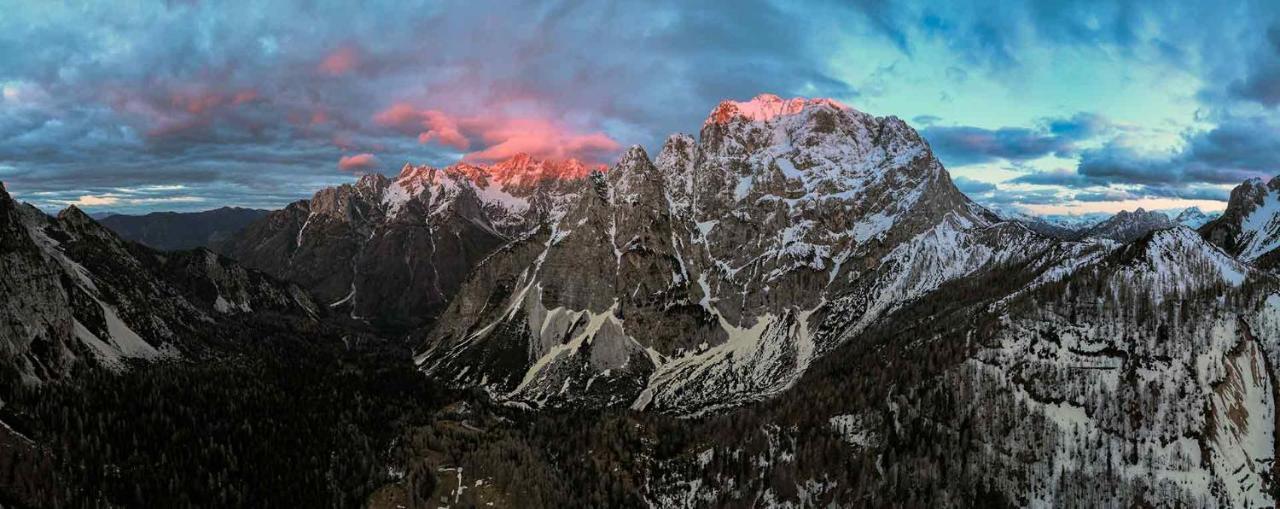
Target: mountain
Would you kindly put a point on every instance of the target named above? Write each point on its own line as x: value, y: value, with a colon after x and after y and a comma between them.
x: 171, y: 231
x: 1129, y: 226
x: 1250, y: 226
x: 1194, y: 218
x: 717, y: 273
x: 74, y: 292
x: 393, y: 251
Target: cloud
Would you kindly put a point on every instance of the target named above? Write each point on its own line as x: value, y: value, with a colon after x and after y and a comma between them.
x: 1003, y: 196
x: 1103, y: 195
x: 499, y: 136
x: 539, y: 138
x: 357, y: 162
x: 1079, y: 127
x: 1235, y: 150
x: 89, y: 200
x: 428, y: 125
x: 341, y: 61
x: 961, y: 145
x: 1261, y: 83
x: 926, y: 120
x: 971, y: 186
x: 118, y: 200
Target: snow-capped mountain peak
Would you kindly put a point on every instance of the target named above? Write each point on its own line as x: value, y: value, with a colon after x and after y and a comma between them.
x: 1193, y: 217
x: 765, y: 107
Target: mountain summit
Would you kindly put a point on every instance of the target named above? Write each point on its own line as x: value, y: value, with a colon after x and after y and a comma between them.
x: 1250, y: 227
x: 764, y: 107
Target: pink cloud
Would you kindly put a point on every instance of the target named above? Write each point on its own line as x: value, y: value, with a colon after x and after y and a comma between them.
x: 340, y: 61
x: 537, y: 137
x: 400, y: 116
x: 244, y: 96
x: 443, y: 129
x: 428, y: 125
x: 196, y: 103
x: 357, y: 162
x: 503, y: 136
x: 343, y: 141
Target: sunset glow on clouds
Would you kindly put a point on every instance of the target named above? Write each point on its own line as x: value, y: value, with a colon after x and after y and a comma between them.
x: 357, y: 162
x: 1040, y: 105
x: 428, y: 125
x: 341, y: 61
x: 502, y: 137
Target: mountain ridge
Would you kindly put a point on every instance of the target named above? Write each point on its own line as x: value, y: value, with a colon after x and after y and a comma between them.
x: 171, y: 231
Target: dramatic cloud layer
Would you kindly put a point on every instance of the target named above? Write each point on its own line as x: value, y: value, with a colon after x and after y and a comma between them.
x: 1028, y: 103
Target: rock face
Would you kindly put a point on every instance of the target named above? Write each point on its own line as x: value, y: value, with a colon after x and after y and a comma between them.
x: 183, y: 230
x: 716, y: 273
x: 393, y: 251
x: 74, y: 291
x: 1129, y: 226
x: 1250, y: 227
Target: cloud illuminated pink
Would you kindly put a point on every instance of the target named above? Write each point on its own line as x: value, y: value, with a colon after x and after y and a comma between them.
x: 502, y: 136
x: 340, y: 61
x: 244, y: 96
x: 364, y: 161
x: 428, y: 125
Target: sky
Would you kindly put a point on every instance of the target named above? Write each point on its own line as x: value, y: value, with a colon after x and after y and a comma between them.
x: 1038, y: 106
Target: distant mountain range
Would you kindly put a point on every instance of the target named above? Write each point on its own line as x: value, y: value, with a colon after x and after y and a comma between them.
x: 182, y: 230
x: 1124, y: 226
